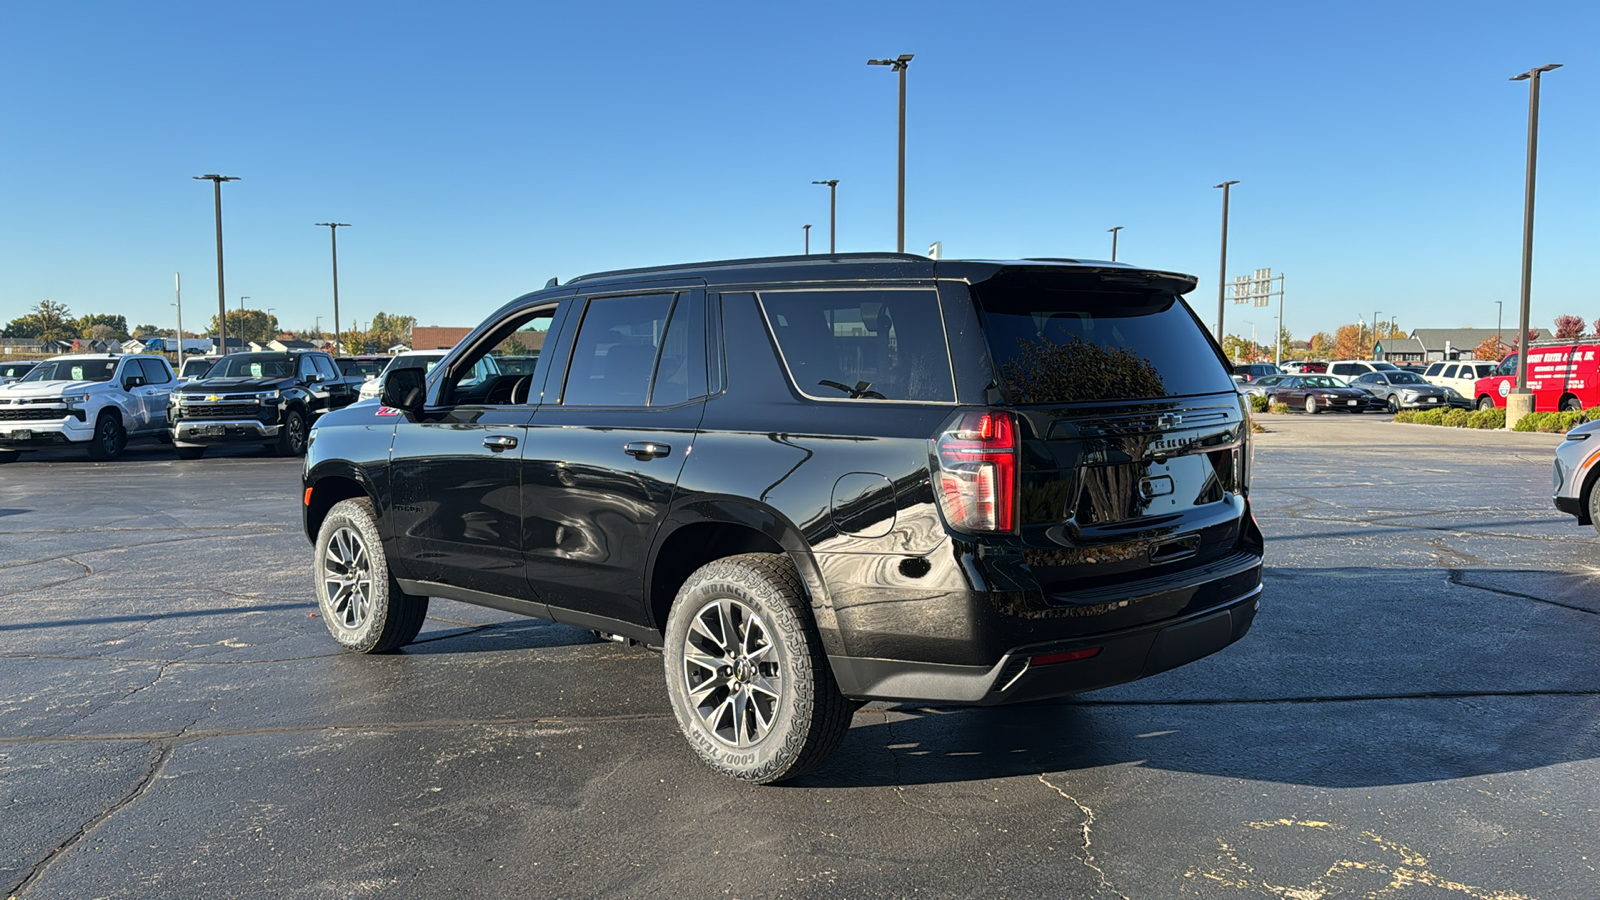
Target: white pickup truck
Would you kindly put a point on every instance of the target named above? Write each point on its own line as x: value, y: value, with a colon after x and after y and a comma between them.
x: 99, y: 400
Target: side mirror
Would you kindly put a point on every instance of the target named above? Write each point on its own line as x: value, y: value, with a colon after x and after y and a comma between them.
x: 132, y: 381
x: 404, y: 389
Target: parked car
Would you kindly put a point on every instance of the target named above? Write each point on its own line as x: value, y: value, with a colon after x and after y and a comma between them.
x: 1458, y: 400
x: 13, y: 371
x: 364, y: 367
x: 419, y: 359
x: 1414, y: 368
x: 1575, y: 476
x: 1463, y: 375
x: 1306, y: 367
x: 1402, y: 390
x: 1315, y: 393
x: 1260, y: 386
x: 99, y: 400
x: 1350, y: 368
x: 270, y: 398
x: 196, y: 367
x: 1251, y: 371
x: 1562, y: 376
x: 936, y: 481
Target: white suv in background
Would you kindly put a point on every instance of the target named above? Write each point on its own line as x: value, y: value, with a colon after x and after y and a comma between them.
x: 1462, y: 375
x: 99, y: 400
x: 1349, y: 369
x: 409, y: 359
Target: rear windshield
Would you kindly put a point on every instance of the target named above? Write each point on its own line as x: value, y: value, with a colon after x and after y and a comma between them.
x: 1067, y: 344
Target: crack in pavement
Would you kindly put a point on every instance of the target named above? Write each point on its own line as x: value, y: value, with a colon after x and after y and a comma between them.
x: 1088, y: 822
x: 1456, y: 576
x: 160, y: 754
x: 899, y: 790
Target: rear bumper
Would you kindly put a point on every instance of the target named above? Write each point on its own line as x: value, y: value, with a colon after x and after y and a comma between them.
x: 1123, y: 656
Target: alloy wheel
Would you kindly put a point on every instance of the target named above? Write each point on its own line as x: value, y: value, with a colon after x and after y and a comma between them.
x: 732, y: 671
x: 297, y: 434
x: 347, y: 577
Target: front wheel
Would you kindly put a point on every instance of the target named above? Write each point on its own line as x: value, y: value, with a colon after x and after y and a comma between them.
x: 1485, y: 403
x: 1394, y: 405
x: 1311, y: 405
x: 360, y: 602
x: 746, y: 674
x: 1592, y: 501
x: 292, y: 435
x: 109, y: 436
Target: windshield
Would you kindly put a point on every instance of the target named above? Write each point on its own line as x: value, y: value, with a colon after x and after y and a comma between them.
x: 1055, y: 342
x: 1323, y: 381
x: 1406, y: 378
x: 73, y: 370
x: 249, y: 366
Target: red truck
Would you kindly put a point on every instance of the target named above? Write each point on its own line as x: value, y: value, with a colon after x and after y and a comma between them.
x: 1563, y: 376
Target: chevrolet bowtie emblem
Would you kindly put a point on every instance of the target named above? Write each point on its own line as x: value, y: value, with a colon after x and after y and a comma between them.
x: 212, y: 398
x: 1168, y: 420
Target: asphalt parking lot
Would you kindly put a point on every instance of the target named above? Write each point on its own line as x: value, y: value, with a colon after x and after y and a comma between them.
x: 1413, y: 715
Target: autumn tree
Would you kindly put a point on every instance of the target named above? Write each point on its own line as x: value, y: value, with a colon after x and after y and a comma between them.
x: 1569, y: 327
x: 1348, y: 343
x: 1490, y: 348
x: 1319, y: 344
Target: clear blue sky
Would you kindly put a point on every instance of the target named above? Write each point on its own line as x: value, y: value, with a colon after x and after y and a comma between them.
x: 478, y: 149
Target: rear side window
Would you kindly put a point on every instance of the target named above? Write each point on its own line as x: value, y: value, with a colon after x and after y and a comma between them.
x: 1055, y: 343
x: 863, y: 345
x: 615, y: 351
x: 1449, y: 372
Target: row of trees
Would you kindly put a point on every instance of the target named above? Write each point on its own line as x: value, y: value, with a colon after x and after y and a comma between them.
x: 51, y: 321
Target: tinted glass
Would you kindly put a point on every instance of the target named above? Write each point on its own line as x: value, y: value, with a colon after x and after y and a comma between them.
x: 1405, y: 378
x: 363, y: 367
x: 616, y: 349
x: 1449, y: 372
x: 424, y: 362
x: 1322, y: 381
x: 73, y: 370
x: 1434, y: 369
x: 253, y: 366
x: 681, y: 373
x: 195, y: 368
x: 1383, y: 366
x: 325, y: 367
x: 155, y: 372
x: 864, y: 345
x: 1508, y: 366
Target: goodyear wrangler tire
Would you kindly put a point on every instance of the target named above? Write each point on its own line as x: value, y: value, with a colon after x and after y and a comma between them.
x: 359, y: 600
x: 746, y: 674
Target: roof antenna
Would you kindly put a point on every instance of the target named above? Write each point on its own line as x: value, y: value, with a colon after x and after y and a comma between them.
x: 552, y: 282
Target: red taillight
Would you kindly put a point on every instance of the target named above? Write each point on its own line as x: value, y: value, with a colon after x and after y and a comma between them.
x: 1050, y: 659
x: 977, y: 477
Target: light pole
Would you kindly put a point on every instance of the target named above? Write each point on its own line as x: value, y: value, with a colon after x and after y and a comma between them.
x: 241, y: 321
x: 899, y: 64
x: 222, y: 307
x: 333, y: 236
x: 1532, y: 77
x: 833, y: 208
x: 177, y: 290
x: 270, y: 330
x: 1114, y: 241
x: 1222, y: 270
x: 808, y: 239
x: 319, y: 328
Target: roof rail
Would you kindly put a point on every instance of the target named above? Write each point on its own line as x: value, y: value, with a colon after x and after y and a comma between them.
x: 815, y: 258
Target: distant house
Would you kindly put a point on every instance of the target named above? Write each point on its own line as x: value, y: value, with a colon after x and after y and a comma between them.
x: 291, y: 344
x: 234, y: 345
x: 434, y: 337
x: 1435, y: 344
x: 133, y: 345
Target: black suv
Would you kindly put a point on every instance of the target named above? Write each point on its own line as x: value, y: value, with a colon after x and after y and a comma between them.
x: 814, y: 481
x: 267, y: 398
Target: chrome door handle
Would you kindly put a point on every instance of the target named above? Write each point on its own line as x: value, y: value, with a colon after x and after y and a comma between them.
x: 646, y: 449
x: 498, y: 442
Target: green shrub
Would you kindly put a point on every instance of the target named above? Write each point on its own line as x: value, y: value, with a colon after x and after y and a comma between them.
x: 1550, y: 422
x: 1278, y: 408
x: 1454, y: 418
x: 1258, y: 403
x: 1405, y: 416
x: 1488, y: 419
x: 1428, y: 417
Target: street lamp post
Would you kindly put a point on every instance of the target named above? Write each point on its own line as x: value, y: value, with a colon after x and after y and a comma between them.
x: 177, y: 290
x: 319, y: 328
x: 241, y: 321
x: 833, y: 208
x: 333, y: 236
x: 270, y: 311
x: 1114, y: 241
x: 1499, y: 313
x: 1526, y: 405
x: 899, y: 64
x: 1222, y: 270
x: 222, y: 307
x: 808, y: 239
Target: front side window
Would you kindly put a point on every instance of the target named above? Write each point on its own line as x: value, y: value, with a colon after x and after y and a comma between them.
x: 325, y: 368
x: 155, y: 371
x: 499, y: 369
x: 864, y: 345
x: 1508, y: 366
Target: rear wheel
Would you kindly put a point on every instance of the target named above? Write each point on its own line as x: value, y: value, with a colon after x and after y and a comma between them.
x: 1570, y: 403
x: 1485, y: 403
x: 360, y: 602
x: 746, y: 674
x: 109, y: 436
x: 1592, y: 501
x: 1311, y: 405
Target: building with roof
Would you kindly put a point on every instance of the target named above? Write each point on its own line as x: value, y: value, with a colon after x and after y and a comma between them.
x: 434, y: 337
x: 1434, y: 344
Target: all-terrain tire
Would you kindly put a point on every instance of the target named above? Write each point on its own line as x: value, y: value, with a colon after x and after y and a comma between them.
x: 292, y: 434
x: 810, y: 717
x: 109, y: 436
x: 359, y: 600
